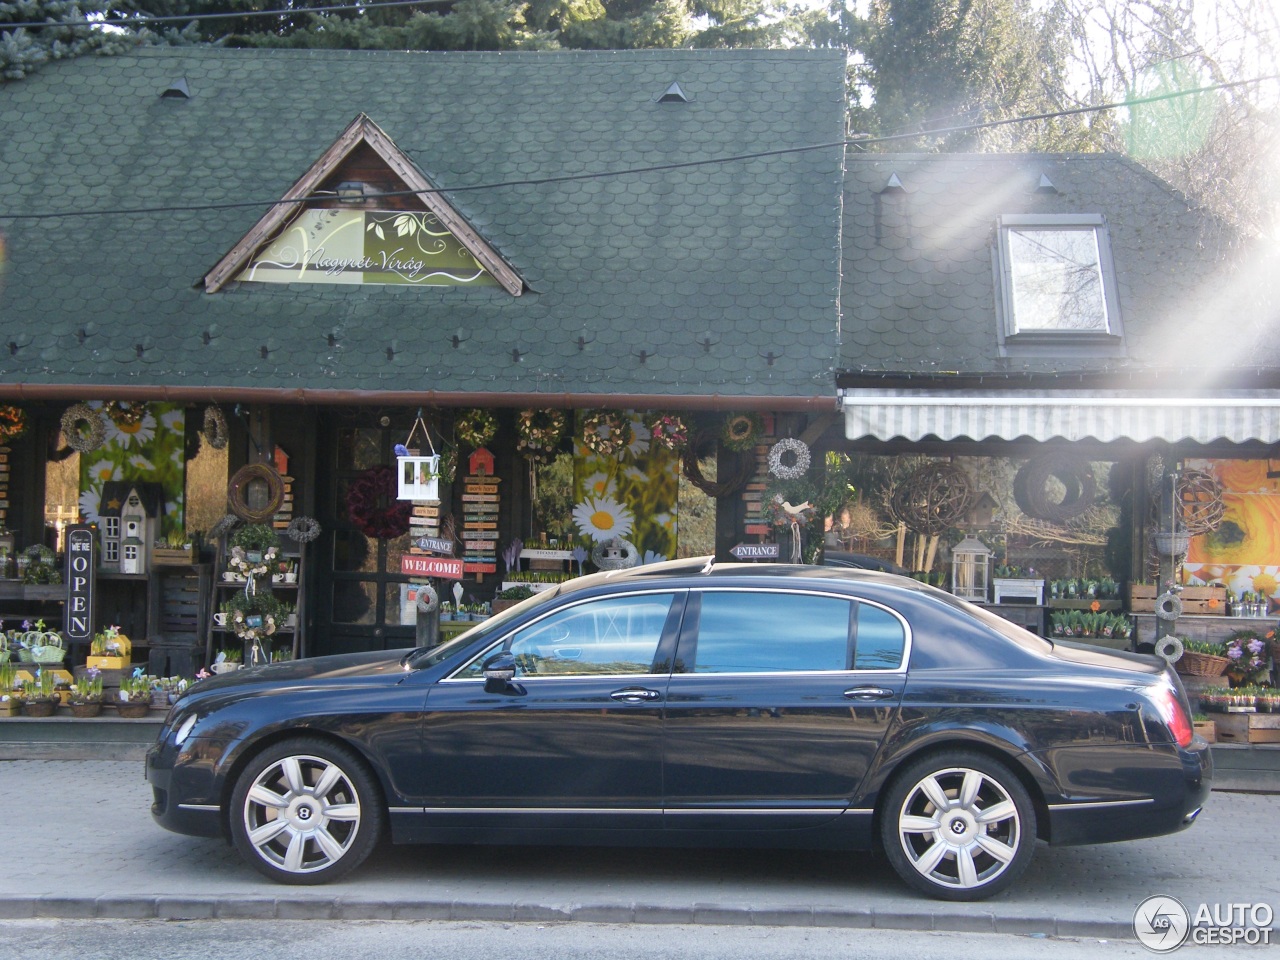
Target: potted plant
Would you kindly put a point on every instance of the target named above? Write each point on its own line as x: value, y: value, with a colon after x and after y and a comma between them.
x: 510, y: 597
x: 109, y: 650
x: 1202, y: 658
x: 227, y: 661
x: 135, y: 696
x: 10, y: 702
x: 39, y: 696
x: 176, y: 549
x: 1248, y: 660
x: 86, y: 694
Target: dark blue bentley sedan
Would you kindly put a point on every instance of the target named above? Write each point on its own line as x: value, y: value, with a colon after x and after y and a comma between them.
x: 691, y: 703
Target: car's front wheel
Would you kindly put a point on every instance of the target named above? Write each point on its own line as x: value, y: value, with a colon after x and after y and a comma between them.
x: 958, y: 826
x: 305, y: 811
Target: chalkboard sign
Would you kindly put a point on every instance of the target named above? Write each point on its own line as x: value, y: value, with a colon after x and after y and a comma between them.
x: 78, y: 622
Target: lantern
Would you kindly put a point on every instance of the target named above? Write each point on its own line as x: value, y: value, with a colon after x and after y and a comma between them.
x: 419, y: 476
x: 970, y: 569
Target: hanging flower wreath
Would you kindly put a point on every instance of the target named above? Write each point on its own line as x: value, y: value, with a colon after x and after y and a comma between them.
x: 378, y: 485
x: 239, y: 561
x: 254, y: 616
x: 717, y: 489
x: 215, y: 427
x: 606, y: 433
x: 13, y: 423
x: 124, y: 413
x: 741, y: 431
x: 799, y: 466
x: 476, y: 428
x: 667, y: 430
x: 539, y: 433
x: 83, y: 427
x: 302, y: 529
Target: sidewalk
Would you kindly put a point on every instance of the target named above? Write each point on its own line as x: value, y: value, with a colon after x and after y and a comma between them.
x: 84, y: 829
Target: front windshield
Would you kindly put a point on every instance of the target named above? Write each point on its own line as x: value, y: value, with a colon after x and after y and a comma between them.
x: 425, y: 657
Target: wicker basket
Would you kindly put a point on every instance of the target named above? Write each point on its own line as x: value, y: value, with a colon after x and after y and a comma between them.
x: 1201, y: 664
x: 1172, y: 544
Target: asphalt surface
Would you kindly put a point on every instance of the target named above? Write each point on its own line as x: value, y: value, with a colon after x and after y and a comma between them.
x: 80, y: 843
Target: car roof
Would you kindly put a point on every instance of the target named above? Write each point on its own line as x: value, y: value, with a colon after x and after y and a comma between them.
x: 708, y: 570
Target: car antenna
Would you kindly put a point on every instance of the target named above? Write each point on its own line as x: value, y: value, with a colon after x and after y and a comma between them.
x: 710, y: 563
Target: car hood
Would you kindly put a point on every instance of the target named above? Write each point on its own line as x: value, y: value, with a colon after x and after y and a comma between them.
x: 341, y: 667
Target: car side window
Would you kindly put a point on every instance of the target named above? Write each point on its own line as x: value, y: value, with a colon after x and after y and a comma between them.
x: 879, y: 641
x: 741, y: 632
x: 619, y: 635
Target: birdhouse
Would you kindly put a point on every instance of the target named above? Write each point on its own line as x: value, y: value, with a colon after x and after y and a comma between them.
x: 480, y: 463
x: 970, y: 569
x: 129, y: 523
x: 419, y: 477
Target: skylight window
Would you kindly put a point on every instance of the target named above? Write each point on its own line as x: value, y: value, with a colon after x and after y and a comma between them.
x: 1057, y: 280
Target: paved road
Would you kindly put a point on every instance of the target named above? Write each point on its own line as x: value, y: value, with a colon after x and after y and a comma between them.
x: 84, y: 829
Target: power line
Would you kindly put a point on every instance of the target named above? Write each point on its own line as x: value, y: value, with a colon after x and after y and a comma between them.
x: 655, y: 168
x: 143, y: 21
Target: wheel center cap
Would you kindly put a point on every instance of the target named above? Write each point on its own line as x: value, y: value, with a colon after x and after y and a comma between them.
x: 305, y: 813
x: 959, y: 827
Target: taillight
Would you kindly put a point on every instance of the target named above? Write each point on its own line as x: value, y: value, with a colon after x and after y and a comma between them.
x: 1173, y: 714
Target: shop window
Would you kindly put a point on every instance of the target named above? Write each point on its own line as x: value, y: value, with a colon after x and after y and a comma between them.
x: 1057, y: 283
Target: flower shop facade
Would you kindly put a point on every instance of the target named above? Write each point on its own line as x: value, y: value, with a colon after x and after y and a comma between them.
x: 433, y: 318
x: 1072, y: 373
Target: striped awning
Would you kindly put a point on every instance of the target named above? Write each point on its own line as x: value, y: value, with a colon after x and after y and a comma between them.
x: 1235, y: 416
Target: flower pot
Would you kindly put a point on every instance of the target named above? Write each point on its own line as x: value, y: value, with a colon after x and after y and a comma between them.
x: 38, y: 708
x: 224, y: 667
x: 290, y: 578
x: 133, y: 709
x: 86, y: 709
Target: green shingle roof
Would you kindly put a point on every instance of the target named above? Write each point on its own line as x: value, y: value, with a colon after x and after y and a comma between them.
x: 919, y: 289
x: 746, y: 251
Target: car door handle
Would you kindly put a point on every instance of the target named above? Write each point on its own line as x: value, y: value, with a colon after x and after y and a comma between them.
x: 868, y: 693
x: 635, y: 695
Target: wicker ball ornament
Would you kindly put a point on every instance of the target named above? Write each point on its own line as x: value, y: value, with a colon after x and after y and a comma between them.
x: 1201, y: 496
x: 933, y: 498
x: 1030, y: 487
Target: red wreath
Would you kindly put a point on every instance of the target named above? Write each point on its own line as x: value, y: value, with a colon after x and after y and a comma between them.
x: 375, y: 486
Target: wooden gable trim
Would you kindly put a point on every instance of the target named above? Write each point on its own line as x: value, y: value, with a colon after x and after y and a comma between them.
x: 361, y: 130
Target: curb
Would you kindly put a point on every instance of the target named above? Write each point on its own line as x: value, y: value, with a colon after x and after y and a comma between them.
x: 708, y: 914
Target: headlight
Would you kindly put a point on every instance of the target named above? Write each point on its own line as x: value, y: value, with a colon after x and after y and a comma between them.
x: 184, y: 729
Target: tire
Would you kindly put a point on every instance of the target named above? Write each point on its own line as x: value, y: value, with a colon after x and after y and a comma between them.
x: 932, y: 829
x: 306, y: 811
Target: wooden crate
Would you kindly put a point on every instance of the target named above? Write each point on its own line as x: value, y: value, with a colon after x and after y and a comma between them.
x: 1248, y: 727
x: 1210, y: 600
x: 1207, y: 729
x: 170, y: 557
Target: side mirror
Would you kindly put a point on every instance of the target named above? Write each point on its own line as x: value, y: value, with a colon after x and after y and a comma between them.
x: 499, y: 670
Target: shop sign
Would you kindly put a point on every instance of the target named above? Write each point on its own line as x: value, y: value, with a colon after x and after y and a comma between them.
x: 367, y: 246
x: 434, y: 545
x: 447, y: 568
x: 80, y: 582
x: 756, y: 551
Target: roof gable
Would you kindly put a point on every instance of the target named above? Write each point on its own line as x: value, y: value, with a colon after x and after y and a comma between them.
x: 361, y: 131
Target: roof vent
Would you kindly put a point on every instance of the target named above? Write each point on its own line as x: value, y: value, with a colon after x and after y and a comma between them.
x: 1045, y: 185
x: 675, y: 95
x: 178, y: 90
x: 893, y: 185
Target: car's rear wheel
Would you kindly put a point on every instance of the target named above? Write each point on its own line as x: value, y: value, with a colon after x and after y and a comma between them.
x: 305, y: 811
x: 958, y: 826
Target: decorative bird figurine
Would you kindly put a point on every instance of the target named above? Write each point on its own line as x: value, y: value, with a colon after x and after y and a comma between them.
x: 800, y: 511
